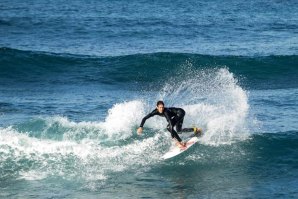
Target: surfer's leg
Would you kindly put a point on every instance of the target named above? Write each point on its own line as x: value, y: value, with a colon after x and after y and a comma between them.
x: 187, y: 130
x: 179, y: 124
x: 179, y: 128
x: 179, y: 120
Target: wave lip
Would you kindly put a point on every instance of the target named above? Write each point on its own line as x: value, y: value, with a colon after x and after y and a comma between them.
x: 212, y: 100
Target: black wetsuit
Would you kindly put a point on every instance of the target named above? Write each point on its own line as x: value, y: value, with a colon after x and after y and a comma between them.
x: 174, y: 117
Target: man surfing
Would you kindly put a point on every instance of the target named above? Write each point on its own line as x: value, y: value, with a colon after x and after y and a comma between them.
x: 175, y: 118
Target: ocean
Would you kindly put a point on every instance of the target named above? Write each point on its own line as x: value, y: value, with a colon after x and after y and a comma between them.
x: 77, y: 77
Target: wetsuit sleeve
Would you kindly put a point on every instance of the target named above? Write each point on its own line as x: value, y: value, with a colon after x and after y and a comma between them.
x: 154, y: 112
x: 172, y: 131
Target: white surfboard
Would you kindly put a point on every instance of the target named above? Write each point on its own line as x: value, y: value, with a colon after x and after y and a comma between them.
x: 176, y: 150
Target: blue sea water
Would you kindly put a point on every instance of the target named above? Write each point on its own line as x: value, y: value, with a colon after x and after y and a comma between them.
x: 76, y: 79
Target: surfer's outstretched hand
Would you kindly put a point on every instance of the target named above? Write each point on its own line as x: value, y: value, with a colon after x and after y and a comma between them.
x: 139, y: 131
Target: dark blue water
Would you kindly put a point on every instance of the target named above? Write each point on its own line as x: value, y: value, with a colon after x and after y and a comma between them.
x: 76, y: 79
x: 120, y: 27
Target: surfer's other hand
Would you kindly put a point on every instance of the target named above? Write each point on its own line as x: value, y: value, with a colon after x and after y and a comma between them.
x: 181, y: 144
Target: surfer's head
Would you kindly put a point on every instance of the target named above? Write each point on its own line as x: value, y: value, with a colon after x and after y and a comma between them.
x: 160, y: 106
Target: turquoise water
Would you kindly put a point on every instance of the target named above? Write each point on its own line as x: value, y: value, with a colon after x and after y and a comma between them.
x: 77, y: 78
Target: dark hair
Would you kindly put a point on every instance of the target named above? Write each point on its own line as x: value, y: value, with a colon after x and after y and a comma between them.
x: 159, y: 103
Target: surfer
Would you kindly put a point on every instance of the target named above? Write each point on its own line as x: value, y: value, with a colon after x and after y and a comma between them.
x: 174, y: 117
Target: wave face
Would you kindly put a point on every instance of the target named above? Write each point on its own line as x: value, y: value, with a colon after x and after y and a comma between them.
x: 253, y: 72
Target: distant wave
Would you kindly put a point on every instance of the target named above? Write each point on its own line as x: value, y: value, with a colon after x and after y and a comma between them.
x: 255, y: 72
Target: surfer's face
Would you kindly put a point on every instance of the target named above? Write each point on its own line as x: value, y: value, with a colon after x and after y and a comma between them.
x: 160, y: 108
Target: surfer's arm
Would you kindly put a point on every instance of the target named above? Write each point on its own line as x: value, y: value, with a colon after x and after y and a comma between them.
x: 154, y: 112
x: 174, y: 134
x: 140, y: 129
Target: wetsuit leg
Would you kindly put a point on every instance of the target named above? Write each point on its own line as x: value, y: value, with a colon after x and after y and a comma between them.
x: 179, y: 122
